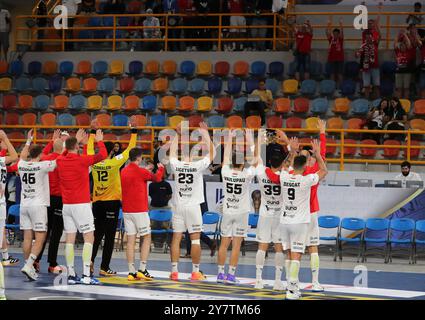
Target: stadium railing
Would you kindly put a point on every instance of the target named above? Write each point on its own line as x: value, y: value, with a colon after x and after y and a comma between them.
x: 340, y: 144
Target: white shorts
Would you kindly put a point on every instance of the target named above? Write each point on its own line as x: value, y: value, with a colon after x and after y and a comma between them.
x: 2, y: 222
x: 238, y: 21
x: 313, y: 238
x: 268, y: 229
x: 187, y: 218
x: 137, y: 224
x: 33, y: 218
x: 234, y: 225
x: 78, y: 217
x: 294, y: 236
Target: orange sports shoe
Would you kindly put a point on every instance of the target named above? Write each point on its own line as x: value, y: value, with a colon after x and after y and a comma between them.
x: 197, y: 276
x: 174, y: 276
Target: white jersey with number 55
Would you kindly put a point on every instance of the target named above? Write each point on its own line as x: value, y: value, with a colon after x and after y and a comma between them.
x: 34, y: 176
x: 296, y: 197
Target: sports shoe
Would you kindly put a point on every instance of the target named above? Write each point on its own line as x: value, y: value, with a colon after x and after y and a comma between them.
x: 10, y: 262
x: 74, y: 280
x: 293, y: 295
x: 55, y: 270
x: 30, y: 273
x: 36, y: 266
x: 144, y: 275
x: 221, y: 278
x: 89, y: 281
x: 197, y: 276
x: 174, y: 276
x: 259, y: 284
x: 107, y: 273
x: 279, y: 286
x: 132, y: 277
x: 317, y: 287
x: 231, y: 279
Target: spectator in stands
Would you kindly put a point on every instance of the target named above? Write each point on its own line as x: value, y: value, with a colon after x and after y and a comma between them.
x: 171, y: 7
x: 373, y: 27
x: 151, y: 33
x: 114, y: 7
x: 406, y: 174
x: 395, y: 119
x: 88, y: 6
x: 5, y: 27
x: 261, y: 6
x: 203, y: 7
x: 421, y: 67
x: 303, y: 39
x: 136, y: 33
x: 236, y: 7
x: 116, y: 151
x: 368, y: 54
x: 41, y: 23
x: 156, y: 6
x: 279, y: 6
x: 402, y: 45
x: 415, y: 18
x: 415, y: 43
x: 135, y: 7
x: 188, y: 7
x: 74, y: 9
x: 259, y: 100
x: 336, y: 50
x: 375, y: 120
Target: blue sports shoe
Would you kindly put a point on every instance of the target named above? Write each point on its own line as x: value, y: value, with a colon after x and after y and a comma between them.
x: 90, y: 281
x: 231, y: 279
x: 74, y: 280
x: 221, y: 278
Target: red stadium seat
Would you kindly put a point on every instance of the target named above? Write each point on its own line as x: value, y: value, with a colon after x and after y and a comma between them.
x: 414, y: 153
x: 301, y: 105
x: 350, y: 151
x: 48, y: 119
x: 368, y: 152
x: 330, y: 150
x: 225, y: 105
x: 29, y: 119
x: 11, y: 119
x: 139, y: 119
x: 222, y: 69
x: 274, y: 122
x: 391, y: 152
x: 234, y: 122
x: 9, y: 101
x: 195, y: 120
x: 294, y: 122
x: 104, y: 120
x: 16, y: 135
x: 82, y: 119
x: 25, y: 102
x: 253, y: 122
x: 126, y: 85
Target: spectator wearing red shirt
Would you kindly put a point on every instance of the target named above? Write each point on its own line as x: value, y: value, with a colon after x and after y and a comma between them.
x: 336, y: 51
x: 368, y: 54
x: 402, y: 46
x: 135, y: 209
x: 303, y: 39
x: 188, y: 7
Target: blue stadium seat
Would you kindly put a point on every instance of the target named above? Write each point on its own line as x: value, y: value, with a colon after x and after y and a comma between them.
x: 330, y: 222
x: 308, y: 87
x: 215, y: 86
x: 16, y: 68
x: 401, y: 236
x: 39, y: 85
x: 23, y: 84
x: 135, y: 68
x: 253, y: 223
x: 197, y: 86
x: 55, y: 84
x: 276, y: 69
x: 34, y: 68
x: 319, y: 105
x: 258, y: 69
x: 66, y: 119
x: 179, y: 86
x: 158, y: 120
x: 376, y: 103
x: 120, y: 34
x: 360, y: 107
x: 351, y: 70
x: 106, y: 85
x: 216, y: 121
x: 142, y: 86
x: 251, y: 84
x: 273, y: 85
x: 376, y: 236
x: 239, y: 104
x: 95, y: 22
x: 327, y: 87
x: 234, y: 86
x: 77, y: 102
x: 66, y: 68
x: 85, y: 34
x: 351, y: 224
x: 161, y: 216
x: 149, y: 103
x: 211, y: 218
x: 108, y: 21
x: 100, y: 68
x: 348, y: 88
x: 187, y: 68
x: 120, y: 120
x: 41, y: 102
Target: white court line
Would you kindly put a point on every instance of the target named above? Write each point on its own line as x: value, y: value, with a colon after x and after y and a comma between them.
x: 390, y: 293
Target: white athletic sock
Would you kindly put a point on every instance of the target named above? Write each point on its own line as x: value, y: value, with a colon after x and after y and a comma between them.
x: 174, y: 267
x: 260, y: 258
x: 143, y: 266
x: 195, y: 267
x: 1, y: 281
x: 279, y: 261
x: 31, y: 259
x: 87, y: 252
x: 232, y: 270
x: 287, y: 266
x: 220, y: 269
x: 69, y: 256
x: 314, y: 264
x: 131, y: 268
x: 4, y: 254
x: 293, y: 274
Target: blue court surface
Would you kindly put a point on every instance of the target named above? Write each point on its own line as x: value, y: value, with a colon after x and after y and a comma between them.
x: 338, y: 283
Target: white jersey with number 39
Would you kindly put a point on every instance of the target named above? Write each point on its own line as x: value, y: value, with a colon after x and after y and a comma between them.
x: 296, y: 197
x: 271, y: 198
x: 34, y: 176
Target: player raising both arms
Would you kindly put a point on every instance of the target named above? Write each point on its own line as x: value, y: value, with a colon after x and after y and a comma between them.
x: 188, y: 196
x: 77, y: 214
x: 135, y: 210
x: 4, y: 161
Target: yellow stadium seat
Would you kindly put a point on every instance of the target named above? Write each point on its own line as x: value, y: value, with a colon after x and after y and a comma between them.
x: 204, y: 68
x: 406, y: 105
x: 175, y: 121
x: 290, y: 86
x: 312, y: 122
x: 114, y: 102
x: 116, y: 68
x: 205, y: 104
x: 94, y: 103
x: 5, y: 84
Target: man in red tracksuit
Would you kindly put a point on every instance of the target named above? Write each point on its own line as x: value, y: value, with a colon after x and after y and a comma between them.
x: 313, y: 239
x: 135, y: 209
x: 73, y: 170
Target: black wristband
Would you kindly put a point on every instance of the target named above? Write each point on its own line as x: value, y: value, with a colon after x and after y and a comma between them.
x: 92, y: 131
x: 133, y: 130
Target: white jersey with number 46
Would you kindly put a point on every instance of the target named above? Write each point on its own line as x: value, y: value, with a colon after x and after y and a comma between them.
x: 296, y: 197
x: 35, y: 190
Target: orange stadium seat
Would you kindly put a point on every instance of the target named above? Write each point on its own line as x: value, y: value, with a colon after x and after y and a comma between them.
x: 160, y: 85
x: 195, y: 120
x: 169, y: 68
x: 94, y: 103
x: 368, y: 152
x: 168, y: 104
x: 29, y: 119
x: 419, y: 107
x: 241, y: 69
x: 175, y: 121
x: 61, y: 102
x: 294, y: 122
x: 205, y: 104
x: 131, y: 103
x: 204, y: 68
x: 48, y: 119
x: 282, y: 105
x: 139, y: 119
x: 414, y: 153
x: 73, y: 85
x: 5, y: 84
x: 222, y: 69
x: 234, y: 122
x: 114, y: 103
x: 253, y: 122
x: 90, y: 85
x: 274, y: 122
x: 342, y: 106
x: 417, y: 124
x: 50, y: 68
x: 186, y: 104
x: 116, y: 68
x: 301, y: 105
x: 82, y: 119
x: 354, y: 123
x: 225, y: 105
x: 104, y: 120
x: 335, y: 123
x: 391, y: 152
x: 152, y: 68
x: 350, y: 151
x: 25, y: 102
x: 83, y: 68
x: 11, y: 119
